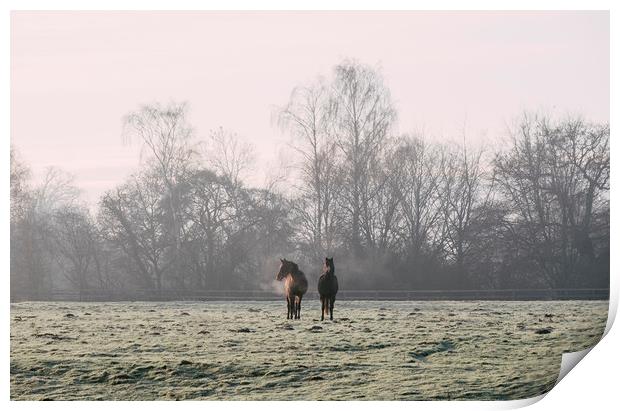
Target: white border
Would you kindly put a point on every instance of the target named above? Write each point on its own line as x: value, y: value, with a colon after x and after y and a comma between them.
x: 594, y: 382
x: 309, y: 5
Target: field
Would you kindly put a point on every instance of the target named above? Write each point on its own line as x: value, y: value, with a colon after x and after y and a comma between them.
x: 374, y: 350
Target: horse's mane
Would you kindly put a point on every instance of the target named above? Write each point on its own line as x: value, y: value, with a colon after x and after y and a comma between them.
x: 295, y: 267
x: 332, y: 268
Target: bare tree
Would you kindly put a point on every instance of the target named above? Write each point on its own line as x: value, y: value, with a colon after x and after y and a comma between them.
x: 209, y: 213
x: 166, y: 135
x: 31, y: 246
x: 421, y: 197
x: 21, y: 236
x: 229, y: 156
x: 132, y: 217
x: 308, y: 117
x: 381, y: 209
x: 364, y: 115
x: 555, y: 178
x: 20, y: 192
x: 462, y: 186
x: 74, y: 240
x: 58, y: 188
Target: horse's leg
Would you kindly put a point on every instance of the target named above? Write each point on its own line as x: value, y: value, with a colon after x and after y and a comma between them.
x: 322, y: 307
x: 299, y: 308
x: 326, y: 305
x: 331, y: 307
x: 288, y: 307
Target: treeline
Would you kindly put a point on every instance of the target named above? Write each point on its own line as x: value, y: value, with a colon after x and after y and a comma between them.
x: 396, y: 211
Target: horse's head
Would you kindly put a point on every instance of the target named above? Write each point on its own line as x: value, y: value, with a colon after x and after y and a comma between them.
x: 286, y: 267
x: 329, y: 268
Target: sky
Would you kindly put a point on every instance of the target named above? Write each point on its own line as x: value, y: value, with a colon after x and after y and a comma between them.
x: 74, y: 75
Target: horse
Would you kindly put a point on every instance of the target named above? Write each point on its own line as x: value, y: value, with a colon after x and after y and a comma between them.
x: 328, y: 288
x: 295, y: 286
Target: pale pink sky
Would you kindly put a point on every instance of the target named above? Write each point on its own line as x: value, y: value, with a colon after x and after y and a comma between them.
x: 75, y: 74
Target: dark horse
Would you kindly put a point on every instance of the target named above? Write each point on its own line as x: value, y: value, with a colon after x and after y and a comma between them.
x: 328, y: 287
x: 295, y: 286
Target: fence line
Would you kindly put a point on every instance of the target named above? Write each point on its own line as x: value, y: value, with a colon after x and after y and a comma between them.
x: 396, y: 295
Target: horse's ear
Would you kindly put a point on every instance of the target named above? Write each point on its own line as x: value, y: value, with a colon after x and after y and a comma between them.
x: 326, y: 259
x: 282, y: 260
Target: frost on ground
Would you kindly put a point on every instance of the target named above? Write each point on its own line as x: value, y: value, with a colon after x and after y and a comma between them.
x: 375, y: 350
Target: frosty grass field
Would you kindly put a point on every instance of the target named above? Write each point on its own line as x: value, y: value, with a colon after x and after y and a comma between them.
x: 375, y: 350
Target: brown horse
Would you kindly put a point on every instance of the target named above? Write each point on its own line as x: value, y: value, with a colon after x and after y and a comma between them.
x: 295, y: 286
x: 328, y: 288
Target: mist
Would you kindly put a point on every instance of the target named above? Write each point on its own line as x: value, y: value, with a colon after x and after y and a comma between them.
x: 397, y: 211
